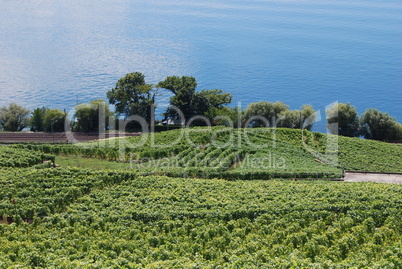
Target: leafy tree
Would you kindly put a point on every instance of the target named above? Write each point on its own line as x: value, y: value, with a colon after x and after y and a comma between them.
x: 308, y: 117
x: 211, y: 99
x: 183, y: 89
x: 215, y: 98
x: 14, y: 118
x: 379, y: 126
x: 290, y: 119
x: 262, y: 113
x: 236, y: 114
x: 132, y: 96
x: 231, y: 117
x: 298, y: 119
x: 208, y: 103
x: 54, y: 120
x: 37, y: 120
x: 88, y: 116
x: 397, y: 132
x: 346, y: 118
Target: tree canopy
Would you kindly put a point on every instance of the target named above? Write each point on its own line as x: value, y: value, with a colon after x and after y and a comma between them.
x: 378, y: 125
x: 135, y: 100
x: 343, y: 119
x: 264, y: 113
x: 183, y: 89
x: 132, y: 96
x: 298, y: 119
x: 14, y: 118
x: 38, y: 119
x: 54, y: 120
x: 93, y: 116
x: 191, y: 103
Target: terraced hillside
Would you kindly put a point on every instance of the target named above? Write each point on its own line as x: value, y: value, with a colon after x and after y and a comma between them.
x: 240, y: 153
x: 87, y: 218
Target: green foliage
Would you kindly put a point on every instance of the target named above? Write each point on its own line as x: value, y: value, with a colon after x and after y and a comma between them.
x: 380, y: 126
x: 37, y: 122
x: 210, y: 103
x: 257, y: 153
x: 41, y: 192
x: 267, y: 114
x: 398, y: 132
x: 264, y: 114
x: 220, y: 116
x: 90, y: 163
x: 367, y: 155
x: 215, y: 98
x: 158, y: 222
x: 88, y: 116
x: 299, y: 119
x: 132, y: 97
x: 200, y: 152
x: 206, y: 103
x: 234, y: 117
x: 54, y: 120
x: 13, y: 157
x: 183, y: 89
x: 343, y: 120
x: 13, y: 118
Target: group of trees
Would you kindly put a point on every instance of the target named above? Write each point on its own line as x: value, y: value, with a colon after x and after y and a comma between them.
x: 343, y: 119
x: 132, y: 96
x: 268, y: 114
x: 47, y: 120
x: 14, y: 118
x: 206, y: 103
x: 92, y: 117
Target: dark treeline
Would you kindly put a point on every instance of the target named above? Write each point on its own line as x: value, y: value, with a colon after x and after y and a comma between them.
x: 343, y: 119
x: 132, y: 96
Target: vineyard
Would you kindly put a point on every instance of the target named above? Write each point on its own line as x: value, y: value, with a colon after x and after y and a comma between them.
x: 12, y: 157
x: 88, y: 219
x: 181, y: 203
x: 41, y: 192
x: 239, y: 154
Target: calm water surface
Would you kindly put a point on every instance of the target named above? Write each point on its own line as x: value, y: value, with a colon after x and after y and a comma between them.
x: 55, y: 53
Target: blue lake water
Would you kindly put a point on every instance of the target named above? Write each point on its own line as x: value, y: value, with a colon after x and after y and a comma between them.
x: 55, y: 53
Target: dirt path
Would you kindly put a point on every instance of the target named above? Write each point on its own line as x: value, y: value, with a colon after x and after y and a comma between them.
x: 373, y: 177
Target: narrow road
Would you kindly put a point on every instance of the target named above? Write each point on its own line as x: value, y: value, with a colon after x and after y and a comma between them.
x: 373, y: 177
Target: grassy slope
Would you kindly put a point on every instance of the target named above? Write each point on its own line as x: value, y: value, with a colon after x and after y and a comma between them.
x: 90, y: 163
